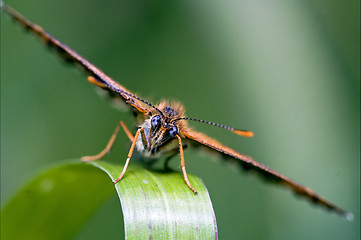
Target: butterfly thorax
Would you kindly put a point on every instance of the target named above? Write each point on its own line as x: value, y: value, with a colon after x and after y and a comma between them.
x: 159, y: 130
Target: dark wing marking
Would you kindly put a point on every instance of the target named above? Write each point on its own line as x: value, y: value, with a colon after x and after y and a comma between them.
x: 249, y: 164
x: 99, y: 78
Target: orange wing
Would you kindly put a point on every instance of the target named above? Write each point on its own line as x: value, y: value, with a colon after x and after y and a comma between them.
x: 97, y: 76
x: 249, y: 164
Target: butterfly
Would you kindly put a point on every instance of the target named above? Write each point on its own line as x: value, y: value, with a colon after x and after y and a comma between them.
x: 163, y: 128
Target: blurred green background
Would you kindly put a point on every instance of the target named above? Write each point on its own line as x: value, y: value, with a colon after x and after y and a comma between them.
x: 288, y: 70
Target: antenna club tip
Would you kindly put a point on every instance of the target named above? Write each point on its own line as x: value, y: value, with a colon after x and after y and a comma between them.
x: 93, y: 80
x: 243, y: 133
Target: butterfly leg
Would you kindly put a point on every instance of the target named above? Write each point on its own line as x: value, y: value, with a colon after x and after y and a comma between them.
x: 129, y: 155
x: 110, y: 143
x: 126, y: 130
x: 183, y: 165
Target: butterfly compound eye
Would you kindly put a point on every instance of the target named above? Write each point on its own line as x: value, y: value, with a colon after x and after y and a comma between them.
x: 155, y: 121
x: 173, y: 131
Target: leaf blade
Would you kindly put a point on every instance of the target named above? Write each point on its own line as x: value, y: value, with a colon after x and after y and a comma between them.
x: 183, y: 215
x: 57, y: 203
x: 53, y: 204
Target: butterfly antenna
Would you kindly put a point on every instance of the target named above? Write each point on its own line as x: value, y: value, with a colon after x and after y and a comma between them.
x: 244, y: 133
x: 146, y: 102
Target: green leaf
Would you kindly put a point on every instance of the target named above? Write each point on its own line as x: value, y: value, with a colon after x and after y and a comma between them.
x: 161, y: 206
x: 57, y: 203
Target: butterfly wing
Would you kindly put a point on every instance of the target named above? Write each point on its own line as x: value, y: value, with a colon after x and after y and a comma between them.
x: 200, y: 139
x: 98, y: 78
